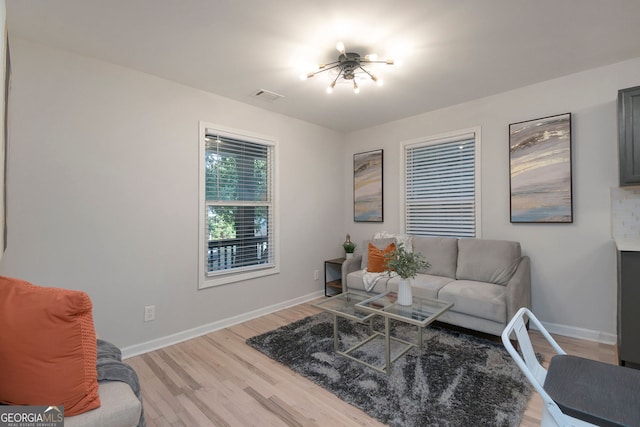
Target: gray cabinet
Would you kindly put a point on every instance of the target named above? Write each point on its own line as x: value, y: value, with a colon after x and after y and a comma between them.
x: 629, y: 135
x: 629, y: 308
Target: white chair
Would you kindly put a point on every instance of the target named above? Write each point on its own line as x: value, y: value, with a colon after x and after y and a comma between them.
x: 536, y: 374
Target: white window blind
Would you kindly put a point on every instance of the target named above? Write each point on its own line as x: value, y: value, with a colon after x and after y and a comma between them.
x: 440, y: 187
x: 239, y: 206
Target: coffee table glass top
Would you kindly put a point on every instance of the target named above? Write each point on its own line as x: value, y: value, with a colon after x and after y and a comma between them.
x: 344, y: 305
x: 421, y: 312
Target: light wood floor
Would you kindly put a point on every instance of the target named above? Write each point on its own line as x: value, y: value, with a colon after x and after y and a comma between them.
x: 217, y: 380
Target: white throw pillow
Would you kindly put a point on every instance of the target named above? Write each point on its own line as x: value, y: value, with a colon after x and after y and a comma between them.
x: 401, y: 239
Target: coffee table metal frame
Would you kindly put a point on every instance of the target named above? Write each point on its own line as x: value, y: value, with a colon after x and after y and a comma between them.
x: 421, y: 313
x: 362, y: 308
x: 345, y: 305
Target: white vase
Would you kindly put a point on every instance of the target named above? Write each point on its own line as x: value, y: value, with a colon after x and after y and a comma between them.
x: 349, y: 255
x: 404, y: 293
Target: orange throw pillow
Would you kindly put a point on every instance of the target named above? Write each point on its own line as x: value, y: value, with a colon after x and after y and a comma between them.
x: 376, y: 261
x: 48, y: 347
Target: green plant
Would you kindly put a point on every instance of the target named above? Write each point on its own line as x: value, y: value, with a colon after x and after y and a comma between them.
x: 406, y: 264
x: 349, y: 247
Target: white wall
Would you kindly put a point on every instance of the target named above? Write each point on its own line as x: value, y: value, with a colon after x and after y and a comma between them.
x: 103, y: 194
x: 573, y: 266
x: 102, y: 187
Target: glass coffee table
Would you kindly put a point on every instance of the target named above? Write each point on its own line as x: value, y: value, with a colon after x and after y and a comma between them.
x: 362, y: 308
x: 344, y: 305
x: 421, y: 313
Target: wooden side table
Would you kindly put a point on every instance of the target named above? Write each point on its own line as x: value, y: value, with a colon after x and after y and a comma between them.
x: 333, y: 277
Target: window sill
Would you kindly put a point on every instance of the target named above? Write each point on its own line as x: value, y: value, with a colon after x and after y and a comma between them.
x: 224, y: 279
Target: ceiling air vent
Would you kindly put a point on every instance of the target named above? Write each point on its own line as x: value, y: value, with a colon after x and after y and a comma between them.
x: 267, y: 95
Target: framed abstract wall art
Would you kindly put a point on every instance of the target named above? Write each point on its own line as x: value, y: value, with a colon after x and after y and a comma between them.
x: 540, y: 170
x: 367, y: 186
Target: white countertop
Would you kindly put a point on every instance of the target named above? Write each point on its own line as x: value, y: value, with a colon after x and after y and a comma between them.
x: 628, y: 244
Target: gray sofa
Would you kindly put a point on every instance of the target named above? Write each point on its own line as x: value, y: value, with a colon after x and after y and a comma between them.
x: 487, y: 280
x: 119, y: 407
x: 119, y: 390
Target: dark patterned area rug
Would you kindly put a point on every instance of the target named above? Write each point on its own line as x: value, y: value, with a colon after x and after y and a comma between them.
x: 457, y: 380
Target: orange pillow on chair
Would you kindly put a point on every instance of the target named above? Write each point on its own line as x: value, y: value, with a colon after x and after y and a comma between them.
x: 48, y: 347
x: 377, y: 263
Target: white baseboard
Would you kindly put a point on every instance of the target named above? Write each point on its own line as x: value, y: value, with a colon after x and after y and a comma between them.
x: 176, y: 338
x: 580, y: 333
x: 145, y: 347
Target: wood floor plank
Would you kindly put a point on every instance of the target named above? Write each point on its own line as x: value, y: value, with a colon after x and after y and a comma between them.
x: 192, y: 415
x: 206, y: 408
x: 179, y: 370
x: 283, y: 412
x: 218, y: 380
x: 163, y: 372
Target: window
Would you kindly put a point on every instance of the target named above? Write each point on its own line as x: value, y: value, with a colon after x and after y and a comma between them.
x: 237, y: 207
x: 441, y: 186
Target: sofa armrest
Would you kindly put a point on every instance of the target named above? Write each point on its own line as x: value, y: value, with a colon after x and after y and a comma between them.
x: 119, y: 407
x: 348, y: 266
x: 519, y: 288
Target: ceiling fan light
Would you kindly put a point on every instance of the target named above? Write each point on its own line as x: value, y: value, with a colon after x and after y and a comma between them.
x: 349, y: 67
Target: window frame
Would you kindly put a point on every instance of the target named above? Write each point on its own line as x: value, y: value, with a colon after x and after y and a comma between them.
x: 204, y: 279
x: 440, y: 139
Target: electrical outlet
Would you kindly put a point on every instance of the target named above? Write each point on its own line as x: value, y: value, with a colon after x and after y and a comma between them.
x: 149, y: 313
x: 316, y: 274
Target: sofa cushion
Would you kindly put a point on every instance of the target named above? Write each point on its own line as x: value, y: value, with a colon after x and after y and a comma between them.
x: 479, y: 299
x: 423, y: 285
x: 378, y: 243
x: 492, y: 261
x: 48, y: 347
x: 377, y: 257
x: 440, y: 252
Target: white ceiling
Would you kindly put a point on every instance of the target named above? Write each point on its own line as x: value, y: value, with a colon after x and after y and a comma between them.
x: 452, y: 50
